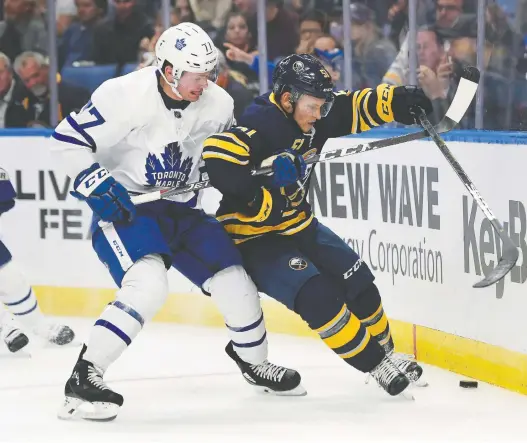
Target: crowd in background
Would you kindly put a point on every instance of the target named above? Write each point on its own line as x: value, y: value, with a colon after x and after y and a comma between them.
x: 106, y: 38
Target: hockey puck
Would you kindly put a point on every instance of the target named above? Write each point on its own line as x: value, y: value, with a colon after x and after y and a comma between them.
x: 468, y: 384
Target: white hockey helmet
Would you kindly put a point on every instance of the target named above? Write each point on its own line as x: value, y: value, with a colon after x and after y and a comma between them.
x: 186, y: 47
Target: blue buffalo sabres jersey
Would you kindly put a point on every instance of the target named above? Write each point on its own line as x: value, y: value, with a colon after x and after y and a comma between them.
x: 264, y: 130
x: 147, y: 141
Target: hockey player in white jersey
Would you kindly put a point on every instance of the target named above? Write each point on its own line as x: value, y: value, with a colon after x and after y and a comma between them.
x: 139, y: 133
x: 17, y: 296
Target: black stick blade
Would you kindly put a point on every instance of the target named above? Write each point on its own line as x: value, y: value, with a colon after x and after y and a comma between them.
x: 507, y: 261
x: 471, y: 73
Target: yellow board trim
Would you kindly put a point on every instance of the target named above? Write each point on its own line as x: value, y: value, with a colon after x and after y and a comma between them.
x: 471, y: 358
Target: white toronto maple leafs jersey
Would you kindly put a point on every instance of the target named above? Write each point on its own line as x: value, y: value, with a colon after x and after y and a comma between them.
x: 127, y: 128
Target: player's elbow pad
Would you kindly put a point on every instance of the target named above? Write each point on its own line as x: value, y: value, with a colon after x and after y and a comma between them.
x: 7, y: 193
x: 266, y: 207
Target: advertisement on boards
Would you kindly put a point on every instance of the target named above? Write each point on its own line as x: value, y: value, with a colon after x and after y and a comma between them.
x: 402, y: 208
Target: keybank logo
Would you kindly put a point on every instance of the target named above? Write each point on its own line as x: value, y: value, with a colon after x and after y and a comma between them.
x: 482, y: 246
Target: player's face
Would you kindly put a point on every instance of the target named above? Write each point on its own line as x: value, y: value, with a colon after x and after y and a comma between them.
x: 308, y: 111
x: 191, y: 85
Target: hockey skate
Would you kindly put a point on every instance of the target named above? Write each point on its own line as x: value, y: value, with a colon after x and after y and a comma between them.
x: 268, y: 377
x: 87, y: 396
x: 407, y: 365
x: 14, y: 338
x: 389, y: 377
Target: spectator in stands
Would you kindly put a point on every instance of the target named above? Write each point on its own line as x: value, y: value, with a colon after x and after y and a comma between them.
x: 184, y: 11
x: 282, y: 26
x: 65, y: 11
x: 237, y: 36
x: 372, y: 53
x: 240, y: 52
x: 23, y: 29
x: 32, y: 68
x: 282, y: 30
x: 448, y: 12
x: 235, y: 84
x: 116, y: 40
x: 327, y: 51
x: 77, y: 42
x: 13, y: 113
x: 247, y: 7
x: 211, y: 11
x: 312, y: 25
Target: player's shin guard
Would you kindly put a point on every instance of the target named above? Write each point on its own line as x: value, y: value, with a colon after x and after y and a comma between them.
x: 143, y: 291
x: 319, y: 304
x: 367, y: 306
x: 20, y: 300
x: 237, y: 299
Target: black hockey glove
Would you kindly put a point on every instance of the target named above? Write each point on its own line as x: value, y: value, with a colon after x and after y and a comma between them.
x: 406, y: 102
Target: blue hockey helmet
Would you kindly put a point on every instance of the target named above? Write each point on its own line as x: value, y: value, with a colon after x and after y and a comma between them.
x: 302, y: 74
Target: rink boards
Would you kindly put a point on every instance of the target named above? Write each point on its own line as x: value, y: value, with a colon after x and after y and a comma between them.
x: 402, y: 208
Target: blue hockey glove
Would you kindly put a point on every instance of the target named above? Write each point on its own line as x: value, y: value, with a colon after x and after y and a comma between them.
x: 7, y: 192
x: 288, y: 168
x: 105, y: 196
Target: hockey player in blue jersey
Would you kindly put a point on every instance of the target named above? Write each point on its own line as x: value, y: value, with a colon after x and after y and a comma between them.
x: 289, y: 254
x: 139, y: 133
x: 17, y: 296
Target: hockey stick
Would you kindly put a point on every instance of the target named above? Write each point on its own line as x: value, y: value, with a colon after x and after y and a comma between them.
x: 465, y: 93
x: 510, y: 252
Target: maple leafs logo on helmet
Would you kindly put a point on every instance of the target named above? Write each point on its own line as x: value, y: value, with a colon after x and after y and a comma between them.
x: 180, y: 44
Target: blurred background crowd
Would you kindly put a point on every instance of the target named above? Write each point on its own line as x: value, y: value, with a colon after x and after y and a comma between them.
x: 99, y: 39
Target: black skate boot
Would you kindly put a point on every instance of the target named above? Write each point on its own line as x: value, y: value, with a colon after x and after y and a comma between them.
x: 409, y: 367
x: 14, y: 339
x: 389, y: 377
x: 268, y: 377
x: 87, y: 396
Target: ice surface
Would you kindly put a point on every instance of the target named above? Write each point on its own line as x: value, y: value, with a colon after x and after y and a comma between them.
x: 180, y: 386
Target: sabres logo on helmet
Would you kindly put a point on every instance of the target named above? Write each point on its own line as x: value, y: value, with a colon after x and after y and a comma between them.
x: 297, y: 264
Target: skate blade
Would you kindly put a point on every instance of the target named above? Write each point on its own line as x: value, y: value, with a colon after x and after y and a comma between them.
x: 420, y: 383
x: 299, y: 391
x: 22, y: 354
x: 73, y: 344
x: 407, y: 395
x: 76, y: 408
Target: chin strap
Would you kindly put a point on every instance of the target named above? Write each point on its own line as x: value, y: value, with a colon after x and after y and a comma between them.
x: 173, y: 86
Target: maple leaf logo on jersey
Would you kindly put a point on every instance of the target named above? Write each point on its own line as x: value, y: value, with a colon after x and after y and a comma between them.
x: 171, y: 172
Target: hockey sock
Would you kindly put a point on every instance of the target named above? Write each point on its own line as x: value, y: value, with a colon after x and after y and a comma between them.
x: 320, y: 304
x: 367, y: 306
x: 19, y: 298
x: 143, y: 291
